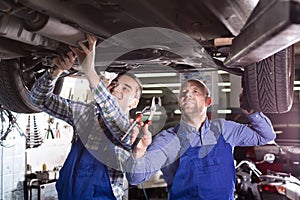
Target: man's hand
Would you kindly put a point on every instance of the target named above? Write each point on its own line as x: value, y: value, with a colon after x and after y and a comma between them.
x: 86, y: 59
x: 144, y: 142
x: 244, y: 104
x: 63, y: 63
x: 86, y: 55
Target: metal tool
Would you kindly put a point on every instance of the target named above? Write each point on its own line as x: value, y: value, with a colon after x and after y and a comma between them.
x: 148, y: 121
x: 138, y: 119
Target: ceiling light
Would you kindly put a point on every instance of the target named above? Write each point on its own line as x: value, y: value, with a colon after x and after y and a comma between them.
x: 224, y: 84
x: 177, y: 112
x: 296, y: 82
x: 224, y: 111
x: 156, y: 85
x: 155, y: 113
x: 148, y: 75
x: 296, y: 88
x: 226, y: 90
x: 152, y: 92
x: 222, y: 72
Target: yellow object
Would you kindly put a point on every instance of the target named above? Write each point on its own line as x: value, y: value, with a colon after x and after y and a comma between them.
x: 44, y: 167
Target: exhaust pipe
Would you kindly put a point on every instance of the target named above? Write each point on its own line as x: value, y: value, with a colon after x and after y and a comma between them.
x: 54, y: 29
x: 36, y: 28
x: 11, y: 27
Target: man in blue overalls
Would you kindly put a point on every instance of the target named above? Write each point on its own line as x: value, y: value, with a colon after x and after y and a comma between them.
x: 93, y: 168
x: 196, y: 155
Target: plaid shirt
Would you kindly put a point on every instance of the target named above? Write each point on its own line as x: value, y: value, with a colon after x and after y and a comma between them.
x: 70, y: 111
x: 116, y: 121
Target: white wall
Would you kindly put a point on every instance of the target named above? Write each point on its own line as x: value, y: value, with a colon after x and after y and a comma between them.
x: 13, y: 153
x: 12, y: 166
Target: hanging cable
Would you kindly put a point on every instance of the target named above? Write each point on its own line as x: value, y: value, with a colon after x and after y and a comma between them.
x: 8, y: 123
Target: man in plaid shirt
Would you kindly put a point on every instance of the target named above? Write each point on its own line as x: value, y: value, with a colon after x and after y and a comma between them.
x: 94, y: 166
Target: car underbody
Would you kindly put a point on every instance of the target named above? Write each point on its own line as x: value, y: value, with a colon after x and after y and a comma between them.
x: 240, y: 37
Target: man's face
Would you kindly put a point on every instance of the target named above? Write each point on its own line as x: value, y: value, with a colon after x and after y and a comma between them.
x: 192, y: 99
x: 124, y: 89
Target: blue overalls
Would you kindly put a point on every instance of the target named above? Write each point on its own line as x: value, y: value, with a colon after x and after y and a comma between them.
x: 209, y: 177
x: 83, y: 177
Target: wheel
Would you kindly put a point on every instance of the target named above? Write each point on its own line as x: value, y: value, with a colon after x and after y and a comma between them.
x: 268, y: 84
x: 15, y: 85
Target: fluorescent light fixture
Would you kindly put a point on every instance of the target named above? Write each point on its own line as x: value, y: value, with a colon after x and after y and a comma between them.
x: 156, y: 85
x: 279, y: 125
x: 155, y: 113
x: 222, y: 72
x: 296, y: 82
x: 278, y: 132
x: 176, y: 91
x: 224, y: 111
x: 226, y: 90
x: 296, y: 88
x: 152, y: 92
x: 177, y: 112
x: 223, y: 84
x: 294, y: 125
x: 149, y: 75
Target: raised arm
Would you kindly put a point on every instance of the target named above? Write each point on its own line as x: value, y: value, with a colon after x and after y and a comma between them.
x: 42, y: 95
x: 259, y: 132
x: 115, y: 120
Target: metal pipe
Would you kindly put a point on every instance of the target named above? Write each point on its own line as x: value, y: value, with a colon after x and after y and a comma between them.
x: 12, y: 28
x: 36, y: 22
x: 56, y: 30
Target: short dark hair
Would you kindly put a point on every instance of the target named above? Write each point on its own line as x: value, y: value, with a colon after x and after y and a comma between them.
x: 139, y: 88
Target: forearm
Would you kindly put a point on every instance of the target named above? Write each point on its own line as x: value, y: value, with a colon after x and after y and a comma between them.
x: 163, y: 151
x: 42, y: 91
x: 263, y: 126
x: 56, y: 73
x: 259, y: 132
x: 92, y: 77
x: 139, y: 153
x: 41, y: 95
x: 140, y: 170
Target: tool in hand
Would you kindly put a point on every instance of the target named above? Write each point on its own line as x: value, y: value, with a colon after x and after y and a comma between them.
x: 138, y: 119
x: 148, y: 121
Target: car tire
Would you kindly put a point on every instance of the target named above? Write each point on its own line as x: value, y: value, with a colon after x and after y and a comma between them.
x: 15, y: 91
x: 268, y: 84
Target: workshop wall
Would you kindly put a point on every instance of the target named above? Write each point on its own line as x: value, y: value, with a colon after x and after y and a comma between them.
x: 12, y: 167
x: 18, y: 158
x: 55, y: 136
x: 30, y: 145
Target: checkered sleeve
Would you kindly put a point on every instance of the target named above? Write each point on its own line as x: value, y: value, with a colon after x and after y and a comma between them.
x: 42, y: 96
x: 117, y: 122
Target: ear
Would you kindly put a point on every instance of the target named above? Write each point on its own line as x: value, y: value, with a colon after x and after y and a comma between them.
x: 208, y: 101
x: 134, y: 103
